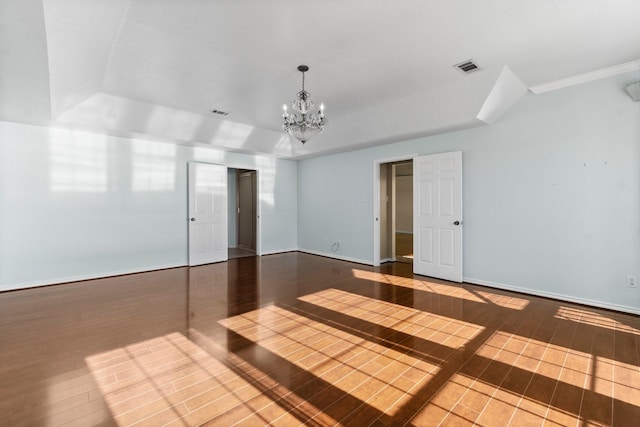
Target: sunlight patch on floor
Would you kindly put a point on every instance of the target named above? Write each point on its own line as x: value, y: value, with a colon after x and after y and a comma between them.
x: 171, y: 381
x: 418, y: 284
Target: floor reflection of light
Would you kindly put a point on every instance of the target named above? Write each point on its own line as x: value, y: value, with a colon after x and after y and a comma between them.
x: 281, y: 404
x: 455, y: 291
x: 548, y: 360
x: 627, y: 380
x: 428, y: 326
x: 171, y: 379
x: 463, y: 400
x: 357, y: 366
x: 423, y: 285
x: 589, y: 317
x: 506, y: 301
x: 469, y: 399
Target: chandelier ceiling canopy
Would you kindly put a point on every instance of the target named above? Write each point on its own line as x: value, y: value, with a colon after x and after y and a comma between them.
x: 303, y: 123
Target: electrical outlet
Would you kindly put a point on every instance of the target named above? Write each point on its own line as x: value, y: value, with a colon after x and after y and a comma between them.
x: 632, y: 281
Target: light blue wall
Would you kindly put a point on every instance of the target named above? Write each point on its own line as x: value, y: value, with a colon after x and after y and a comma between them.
x: 76, y: 205
x: 551, y: 199
x: 551, y: 196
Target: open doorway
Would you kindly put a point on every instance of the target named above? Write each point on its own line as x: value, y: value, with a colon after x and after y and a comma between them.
x: 396, y: 211
x: 243, y: 205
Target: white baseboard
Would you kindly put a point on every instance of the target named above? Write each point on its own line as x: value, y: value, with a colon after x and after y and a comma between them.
x: 70, y: 279
x: 106, y: 274
x: 471, y: 280
x: 336, y: 256
x: 278, y: 251
x: 553, y: 295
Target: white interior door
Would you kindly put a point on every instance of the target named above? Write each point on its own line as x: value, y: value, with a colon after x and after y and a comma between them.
x: 207, y: 213
x: 437, y: 216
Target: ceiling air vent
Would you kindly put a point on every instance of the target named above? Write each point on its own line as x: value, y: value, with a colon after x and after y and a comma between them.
x: 467, y: 66
x: 219, y: 112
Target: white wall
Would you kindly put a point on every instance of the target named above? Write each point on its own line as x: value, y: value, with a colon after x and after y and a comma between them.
x: 76, y: 204
x: 551, y: 196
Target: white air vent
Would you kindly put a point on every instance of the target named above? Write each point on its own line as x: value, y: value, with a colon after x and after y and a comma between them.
x: 467, y: 66
x: 219, y: 112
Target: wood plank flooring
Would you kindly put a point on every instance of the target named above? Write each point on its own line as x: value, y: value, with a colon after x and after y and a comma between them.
x: 295, y: 339
x: 404, y: 247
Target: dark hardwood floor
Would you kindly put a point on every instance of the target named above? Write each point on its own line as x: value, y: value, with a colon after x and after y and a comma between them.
x: 240, y: 253
x: 404, y: 247
x: 296, y: 339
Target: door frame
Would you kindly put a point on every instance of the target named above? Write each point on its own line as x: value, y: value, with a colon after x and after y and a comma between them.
x: 376, y: 201
x: 257, y: 196
x: 255, y: 200
x: 258, y: 204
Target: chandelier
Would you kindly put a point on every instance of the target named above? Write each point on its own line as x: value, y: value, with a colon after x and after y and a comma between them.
x: 303, y: 124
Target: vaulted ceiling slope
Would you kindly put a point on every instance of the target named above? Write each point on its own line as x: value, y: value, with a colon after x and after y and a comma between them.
x: 156, y: 68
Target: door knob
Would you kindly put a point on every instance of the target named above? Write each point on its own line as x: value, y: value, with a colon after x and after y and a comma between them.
x: 193, y: 219
x: 456, y: 223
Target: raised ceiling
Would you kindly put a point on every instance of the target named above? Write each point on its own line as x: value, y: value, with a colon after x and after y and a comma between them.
x: 155, y: 68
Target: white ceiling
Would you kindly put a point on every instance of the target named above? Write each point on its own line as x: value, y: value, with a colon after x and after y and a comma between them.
x: 155, y: 68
